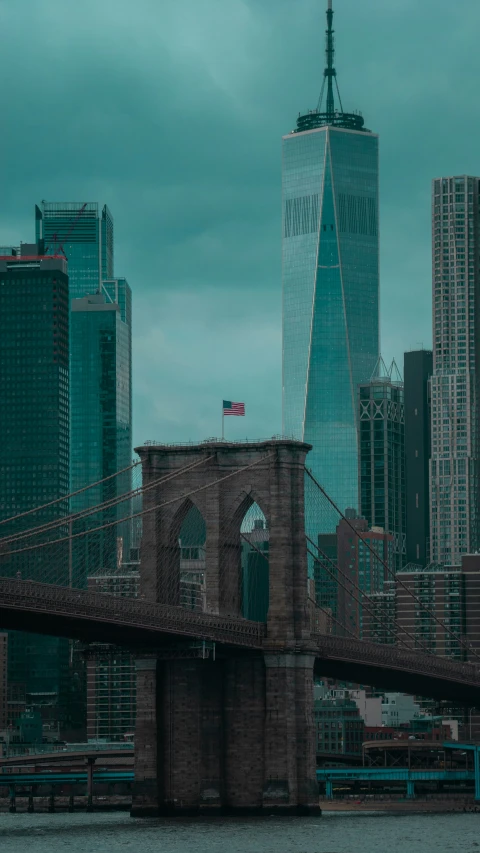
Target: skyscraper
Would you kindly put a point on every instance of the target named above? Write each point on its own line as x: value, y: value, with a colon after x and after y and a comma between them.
x: 101, y: 421
x: 382, y: 456
x: 330, y: 283
x: 86, y: 237
x: 417, y: 372
x: 454, y: 466
x: 34, y: 460
x: 100, y: 365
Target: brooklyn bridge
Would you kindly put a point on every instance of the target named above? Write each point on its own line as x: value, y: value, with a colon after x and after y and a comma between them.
x: 224, y: 674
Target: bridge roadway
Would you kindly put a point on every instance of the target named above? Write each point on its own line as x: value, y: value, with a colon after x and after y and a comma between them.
x: 99, y: 617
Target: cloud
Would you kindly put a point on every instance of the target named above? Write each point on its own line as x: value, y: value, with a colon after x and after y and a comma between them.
x: 172, y: 112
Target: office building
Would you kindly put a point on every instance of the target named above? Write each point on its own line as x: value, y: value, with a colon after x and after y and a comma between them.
x: 454, y: 466
x: 398, y: 709
x: 111, y: 674
x: 101, y: 422
x: 381, y: 471
x: 255, y: 579
x: 418, y: 367
x: 330, y: 286
x: 84, y: 234
x: 339, y: 726
x: 449, y: 594
x: 34, y: 468
x: 354, y: 566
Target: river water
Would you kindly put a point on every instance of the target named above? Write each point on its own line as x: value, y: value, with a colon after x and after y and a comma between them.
x: 332, y: 833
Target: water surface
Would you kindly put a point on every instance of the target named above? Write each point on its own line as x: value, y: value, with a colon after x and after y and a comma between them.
x: 332, y: 833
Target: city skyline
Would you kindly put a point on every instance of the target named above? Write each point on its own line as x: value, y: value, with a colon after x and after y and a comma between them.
x: 241, y: 109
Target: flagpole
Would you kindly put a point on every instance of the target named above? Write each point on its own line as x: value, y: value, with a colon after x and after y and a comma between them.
x: 223, y: 423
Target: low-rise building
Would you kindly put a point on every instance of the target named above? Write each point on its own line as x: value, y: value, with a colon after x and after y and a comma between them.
x: 339, y: 727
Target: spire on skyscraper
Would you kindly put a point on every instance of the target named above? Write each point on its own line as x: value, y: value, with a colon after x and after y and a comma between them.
x: 331, y: 115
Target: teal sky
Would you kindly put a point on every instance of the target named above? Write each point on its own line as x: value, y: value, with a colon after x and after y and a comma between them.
x: 172, y: 113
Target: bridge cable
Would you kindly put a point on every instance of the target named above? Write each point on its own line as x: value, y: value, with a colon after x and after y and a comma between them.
x: 392, y: 573
x: 142, y: 513
x: 93, y: 510
x: 70, y: 495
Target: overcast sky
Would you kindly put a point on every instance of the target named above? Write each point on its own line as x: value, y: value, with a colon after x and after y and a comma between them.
x: 172, y: 113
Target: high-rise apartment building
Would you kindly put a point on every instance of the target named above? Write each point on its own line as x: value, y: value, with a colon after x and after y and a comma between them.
x: 34, y: 463
x: 330, y: 284
x: 418, y: 367
x: 454, y: 466
x: 86, y: 237
x: 450, y: 596
x: 382, y: 456
x: 101, y: 420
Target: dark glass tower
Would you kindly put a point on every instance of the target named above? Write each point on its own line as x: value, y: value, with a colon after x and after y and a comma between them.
x: 34, y: 460
x: 382, y: 457
x: 84, y: 235
x: 101, y: 432
x: 330, y: 284
x: 418, y: 368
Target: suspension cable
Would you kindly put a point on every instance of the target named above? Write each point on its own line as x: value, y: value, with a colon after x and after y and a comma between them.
x: 84, y: 513
x: 138, y: 514
x: 70, y: 495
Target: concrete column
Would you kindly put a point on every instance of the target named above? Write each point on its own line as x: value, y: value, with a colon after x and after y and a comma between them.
x: 145, y: 787
x: 329, y: 789
x: 410, y: 789
x: 90, y: 766
x: 476, y: 764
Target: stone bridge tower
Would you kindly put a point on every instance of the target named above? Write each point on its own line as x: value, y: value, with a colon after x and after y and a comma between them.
x: 233, y: 733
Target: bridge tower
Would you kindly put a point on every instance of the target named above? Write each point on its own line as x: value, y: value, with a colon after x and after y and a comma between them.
x: 232, y: 733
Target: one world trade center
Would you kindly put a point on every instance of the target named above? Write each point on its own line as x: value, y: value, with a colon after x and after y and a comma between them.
x: 330, y: 281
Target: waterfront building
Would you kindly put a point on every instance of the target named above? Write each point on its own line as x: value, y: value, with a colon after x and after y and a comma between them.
x: 339, y: 726
x: 330, y: 286
x: 34, y: 466
x: 398, y: 708
x: 454, y: 466
x: 418, y: 368
x: 381, y: 472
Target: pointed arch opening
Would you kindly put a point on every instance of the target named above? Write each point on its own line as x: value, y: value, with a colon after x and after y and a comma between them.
x: 191, y: 544
x: 254, y: 537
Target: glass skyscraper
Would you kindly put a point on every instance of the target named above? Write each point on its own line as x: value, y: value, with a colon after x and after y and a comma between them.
x: 100, y: 369
x: 86, y: 237
x: 454, y: 465
x: 34, y: 462
x: 330, y: 284
x: 101, y: 420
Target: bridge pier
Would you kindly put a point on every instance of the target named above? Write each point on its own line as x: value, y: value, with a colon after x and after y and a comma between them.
x: 230, y: 736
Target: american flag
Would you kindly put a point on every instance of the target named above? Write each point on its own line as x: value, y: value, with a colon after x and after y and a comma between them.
x: 230, y: 408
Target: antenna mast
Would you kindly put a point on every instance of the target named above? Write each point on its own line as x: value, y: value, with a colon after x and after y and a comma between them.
x: 330, y: 72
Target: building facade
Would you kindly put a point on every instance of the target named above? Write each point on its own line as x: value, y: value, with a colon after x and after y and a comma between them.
x: 454, y: 466
x: 111, y: 673
x: 3, y: 679
x: 381, y: 472
x: 330, y: 286
x: 34, y: 466
x: 84, y: 233
x: 449, y: 593
x: 418, y: 368
x: 101, y: 422
x: 357, y: 562
x: 339, y: 726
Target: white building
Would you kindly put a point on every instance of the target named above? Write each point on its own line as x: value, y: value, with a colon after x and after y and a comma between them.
x: 398, y: 708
